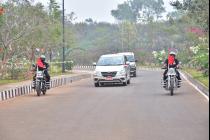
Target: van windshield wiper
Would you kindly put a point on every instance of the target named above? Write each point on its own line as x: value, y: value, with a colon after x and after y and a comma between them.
x: 110, y: 65
x: 104, y: 65
x: 118, y: 64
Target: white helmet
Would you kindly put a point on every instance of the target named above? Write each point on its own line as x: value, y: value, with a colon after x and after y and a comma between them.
x: 43, y: 57
x: 172, y: 53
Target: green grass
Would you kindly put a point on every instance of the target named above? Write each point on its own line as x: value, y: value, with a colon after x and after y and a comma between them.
x: 60, y: 73
x: 198, y: 75
x: 52, y: 74
x: 6, y: 81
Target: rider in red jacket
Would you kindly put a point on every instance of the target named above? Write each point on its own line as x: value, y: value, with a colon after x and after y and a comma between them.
x: 42, y: 65
x: 172, y: 62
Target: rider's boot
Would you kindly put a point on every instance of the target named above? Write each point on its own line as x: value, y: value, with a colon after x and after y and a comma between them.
x: 48, y: 85
x: 179, y: 83
x: 33, y: 85
x: 164, y: 83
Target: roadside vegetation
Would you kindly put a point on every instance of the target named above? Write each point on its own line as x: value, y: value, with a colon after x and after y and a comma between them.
x: 198, y: 75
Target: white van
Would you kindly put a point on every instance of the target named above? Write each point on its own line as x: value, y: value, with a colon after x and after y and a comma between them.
x: 112, y: 68
x: 131, y: 58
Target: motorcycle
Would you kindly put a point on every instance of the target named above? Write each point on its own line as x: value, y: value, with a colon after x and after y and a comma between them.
x: 40, y: 83
x: 171, y: 82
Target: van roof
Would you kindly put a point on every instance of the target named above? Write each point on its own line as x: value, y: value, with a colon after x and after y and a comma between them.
x: 110, y: 55
x: 127, y: 53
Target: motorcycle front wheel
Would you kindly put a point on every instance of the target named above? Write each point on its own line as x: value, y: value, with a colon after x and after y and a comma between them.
x: 172, y: 91
x: 38, y: 88
x: 44, y: 92
x: 172, y: 87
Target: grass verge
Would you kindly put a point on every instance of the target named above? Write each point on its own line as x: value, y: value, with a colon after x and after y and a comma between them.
x: 198, y: 75
x: 8, y: 81
x: 11, y: 81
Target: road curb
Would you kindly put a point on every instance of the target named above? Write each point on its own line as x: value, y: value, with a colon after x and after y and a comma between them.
x: 148, y: 68
x: 26, y: 89
x: 89, y: 68
x: 198, y: 85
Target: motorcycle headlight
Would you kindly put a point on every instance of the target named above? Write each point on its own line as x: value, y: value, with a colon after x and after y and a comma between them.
x: 171, y: 72
x: 97, y: 73
x: 133, y: 65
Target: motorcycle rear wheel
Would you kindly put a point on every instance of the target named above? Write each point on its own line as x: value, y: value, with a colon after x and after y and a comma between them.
x: 44, y: 92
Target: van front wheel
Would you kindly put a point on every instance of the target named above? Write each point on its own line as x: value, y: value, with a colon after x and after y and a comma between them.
x: 134, y: 74
x: 96, y: 84
x: 129, y: 81
x: 125, y: 83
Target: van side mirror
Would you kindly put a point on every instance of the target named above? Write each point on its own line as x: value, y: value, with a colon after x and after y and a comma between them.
x: 136, y: 60
x: 94, y: 63
x: 127, y: 63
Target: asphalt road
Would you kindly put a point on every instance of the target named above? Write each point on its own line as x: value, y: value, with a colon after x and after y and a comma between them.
x: 79, y: 111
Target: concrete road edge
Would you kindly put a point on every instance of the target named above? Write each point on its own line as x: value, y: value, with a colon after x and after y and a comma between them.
x: 196, y: 84
x: 26, y: 89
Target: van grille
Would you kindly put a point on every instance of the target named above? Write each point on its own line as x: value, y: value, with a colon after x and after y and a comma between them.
x: 107, y: 74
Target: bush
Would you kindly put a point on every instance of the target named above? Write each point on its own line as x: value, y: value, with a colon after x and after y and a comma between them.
x: 69, y: 65
x: 200, y: 56
x: 159, y: 56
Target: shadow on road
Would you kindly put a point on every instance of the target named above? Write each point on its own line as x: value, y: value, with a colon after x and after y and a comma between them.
x: 111, y: 85
x: 166, y: 93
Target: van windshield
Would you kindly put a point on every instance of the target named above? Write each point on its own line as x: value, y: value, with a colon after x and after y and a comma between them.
x: 110, y: 61
x: 130, y: 58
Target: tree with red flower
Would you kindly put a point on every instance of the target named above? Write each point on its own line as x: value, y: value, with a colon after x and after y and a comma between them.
x: 1, y: 11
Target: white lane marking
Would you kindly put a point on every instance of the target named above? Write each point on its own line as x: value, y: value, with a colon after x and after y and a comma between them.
x: 201, y: 92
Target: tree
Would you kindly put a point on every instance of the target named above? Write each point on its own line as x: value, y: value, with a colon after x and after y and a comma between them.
x: 89, y: 21
x: 197, y: 10
x: 1, y: 11
x: 128, y: 35
x: 139, y: 10
x: 200, y: 54
x: 25, y: 28
x: 54, y: 12
x: 124, y: 12
x: 21, y: 32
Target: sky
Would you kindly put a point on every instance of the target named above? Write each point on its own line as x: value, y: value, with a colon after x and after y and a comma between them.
x: 98, y: 10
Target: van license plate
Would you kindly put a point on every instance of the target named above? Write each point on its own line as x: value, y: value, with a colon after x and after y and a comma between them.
x: 109, y: 78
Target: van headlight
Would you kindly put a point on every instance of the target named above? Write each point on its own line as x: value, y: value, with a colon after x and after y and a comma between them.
x: 97, y: 73
x: 133, y: 65
x: 121, y: 73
